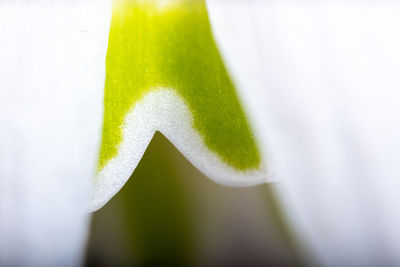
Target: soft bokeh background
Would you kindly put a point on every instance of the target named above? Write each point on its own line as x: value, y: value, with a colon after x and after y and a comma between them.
x: 169, y: 214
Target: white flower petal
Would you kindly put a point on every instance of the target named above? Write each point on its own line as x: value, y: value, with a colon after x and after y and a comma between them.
x: 321, y: 80
x: 165, y: 111
x: 164, y: 73
x: 51, y: 89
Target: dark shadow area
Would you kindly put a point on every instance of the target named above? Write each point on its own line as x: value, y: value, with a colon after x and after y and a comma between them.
x: 169, y: 214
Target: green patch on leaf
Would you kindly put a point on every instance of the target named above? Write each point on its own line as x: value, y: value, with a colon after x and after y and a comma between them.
x: 155, y: 44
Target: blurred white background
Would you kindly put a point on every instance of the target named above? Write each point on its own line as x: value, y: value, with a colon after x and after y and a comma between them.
x: 321, y: 80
